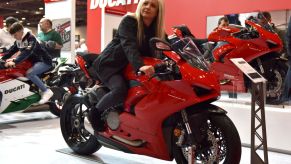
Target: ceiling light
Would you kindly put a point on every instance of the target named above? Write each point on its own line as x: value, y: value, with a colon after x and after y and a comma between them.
x: 17, y: 12
x: 41, y: 8
x: 37, y: 12
x: 28, y: 23
x: 23, y: 18
x: 7, y: 3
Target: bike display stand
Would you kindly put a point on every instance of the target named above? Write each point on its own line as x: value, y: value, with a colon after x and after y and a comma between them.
x: 258, y: 123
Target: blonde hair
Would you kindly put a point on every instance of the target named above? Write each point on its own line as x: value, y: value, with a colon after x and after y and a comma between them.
x: 159, y: 21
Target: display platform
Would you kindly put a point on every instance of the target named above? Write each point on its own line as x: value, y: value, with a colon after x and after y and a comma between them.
x: 106, y: 155
x: 40, y: 140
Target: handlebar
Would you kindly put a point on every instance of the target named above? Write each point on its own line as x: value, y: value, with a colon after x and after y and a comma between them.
x: 161, y: 69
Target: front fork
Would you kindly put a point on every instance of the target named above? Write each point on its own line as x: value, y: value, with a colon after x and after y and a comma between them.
x: 191, y: 146
x: 259, y: 61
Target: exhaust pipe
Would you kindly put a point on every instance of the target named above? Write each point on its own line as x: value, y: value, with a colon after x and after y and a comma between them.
x: 135, y: 143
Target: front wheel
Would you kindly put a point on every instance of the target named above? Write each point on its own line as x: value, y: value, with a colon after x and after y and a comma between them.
x: 221, y: 143
x: 72, y: 126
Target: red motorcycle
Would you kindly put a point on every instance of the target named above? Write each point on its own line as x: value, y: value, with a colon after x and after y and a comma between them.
x: 165, y: 116
x: 258, y: 45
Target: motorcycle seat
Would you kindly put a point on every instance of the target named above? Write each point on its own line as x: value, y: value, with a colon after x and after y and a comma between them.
x: 89, y: 58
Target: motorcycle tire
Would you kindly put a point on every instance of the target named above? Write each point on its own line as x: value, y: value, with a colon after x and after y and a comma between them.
x: 72, y: 127
x: 54, y: 109
x: 57, y: 101
x: 275, y: 75
x: 223, y: 133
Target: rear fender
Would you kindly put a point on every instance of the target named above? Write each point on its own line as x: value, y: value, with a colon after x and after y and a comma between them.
x: 77, y: 97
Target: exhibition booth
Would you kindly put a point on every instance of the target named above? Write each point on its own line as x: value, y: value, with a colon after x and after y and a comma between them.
x: 240, y: 97
x: 201, y: 18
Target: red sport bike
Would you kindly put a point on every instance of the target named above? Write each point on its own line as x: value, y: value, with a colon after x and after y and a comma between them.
x: 258, y: 45
x: 166, y: 116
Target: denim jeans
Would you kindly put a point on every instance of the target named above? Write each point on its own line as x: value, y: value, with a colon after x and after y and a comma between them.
x: 37, y: 69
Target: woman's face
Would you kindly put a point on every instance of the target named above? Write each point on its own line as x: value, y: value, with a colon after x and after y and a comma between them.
x: 149, y: 9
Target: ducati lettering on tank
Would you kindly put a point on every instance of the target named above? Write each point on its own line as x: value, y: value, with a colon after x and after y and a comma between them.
x: 12, y: 91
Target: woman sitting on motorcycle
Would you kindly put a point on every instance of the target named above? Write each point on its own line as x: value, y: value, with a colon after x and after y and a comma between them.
x: 130, y: 43
x: 30, y: 49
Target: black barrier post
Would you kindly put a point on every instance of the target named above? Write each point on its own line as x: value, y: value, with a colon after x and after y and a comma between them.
x: 258, y: 123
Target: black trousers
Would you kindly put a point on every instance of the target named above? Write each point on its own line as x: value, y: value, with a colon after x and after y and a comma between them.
x: 118, y: 92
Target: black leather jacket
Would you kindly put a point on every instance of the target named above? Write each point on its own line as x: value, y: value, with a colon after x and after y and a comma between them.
x: 123, y: 49
x: 30, y: 49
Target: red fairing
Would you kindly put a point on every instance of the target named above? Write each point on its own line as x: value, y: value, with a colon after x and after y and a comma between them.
x: 220, y: 34
x: 154, y: 101
x: 82, y: 64
x: 18, y: 71
x: 235, y: 46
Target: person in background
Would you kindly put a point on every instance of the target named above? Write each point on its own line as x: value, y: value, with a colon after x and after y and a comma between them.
x: 50, y: 38
x: 30, y: 49
x: 82, y: 47
x: 266, y: 20
x: 233, y: 19
x: 6, y: 39
x: 287, y: 83
x: 222, y: 22
x: 129, y: 44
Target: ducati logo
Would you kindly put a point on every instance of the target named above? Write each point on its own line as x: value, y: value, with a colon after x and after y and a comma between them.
x: 14, y: 89
x: 110, y: 3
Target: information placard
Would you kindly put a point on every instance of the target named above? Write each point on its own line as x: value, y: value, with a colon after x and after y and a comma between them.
x: 248, y: 70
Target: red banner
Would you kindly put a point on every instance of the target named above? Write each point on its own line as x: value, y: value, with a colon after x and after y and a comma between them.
x: 50, y: 1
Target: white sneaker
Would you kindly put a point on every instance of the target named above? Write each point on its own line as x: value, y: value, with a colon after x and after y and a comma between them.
x: 46, y: 96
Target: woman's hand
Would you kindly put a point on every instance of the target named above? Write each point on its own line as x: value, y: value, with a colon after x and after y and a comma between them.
x: 147, y: 69
x: 9, y: 64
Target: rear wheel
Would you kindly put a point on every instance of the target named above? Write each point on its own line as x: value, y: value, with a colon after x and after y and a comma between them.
x: 275, y: 73
x: 221, y: 143
x: 72, y: 125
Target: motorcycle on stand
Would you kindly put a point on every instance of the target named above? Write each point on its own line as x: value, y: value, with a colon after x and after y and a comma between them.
x: 256, y: 44
x: 167, y: 116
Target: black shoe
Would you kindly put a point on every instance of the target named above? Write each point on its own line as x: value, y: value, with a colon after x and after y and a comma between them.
x: 94, y: 116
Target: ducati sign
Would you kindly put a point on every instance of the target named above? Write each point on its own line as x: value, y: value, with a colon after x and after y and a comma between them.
x: 110, y: 3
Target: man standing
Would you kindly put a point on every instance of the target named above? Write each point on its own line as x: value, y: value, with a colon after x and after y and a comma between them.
x: 50, y: 38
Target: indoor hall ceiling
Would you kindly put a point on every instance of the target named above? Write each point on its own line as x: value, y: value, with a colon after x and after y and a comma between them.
x: 29, y: 12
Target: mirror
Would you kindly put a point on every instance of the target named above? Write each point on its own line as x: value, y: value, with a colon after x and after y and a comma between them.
x: 158, y: 44
x: 232, y: 85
